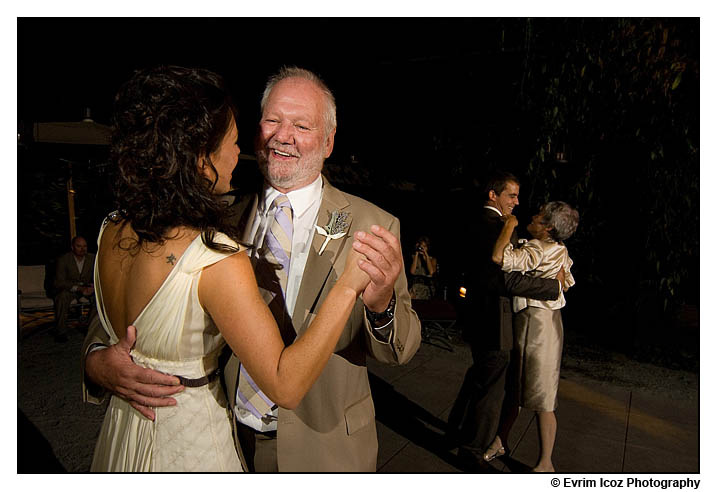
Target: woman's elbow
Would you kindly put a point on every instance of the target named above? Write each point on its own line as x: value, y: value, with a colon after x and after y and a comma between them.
x: 289, y: 403
x: 287, y: 399
x: 497, y: 259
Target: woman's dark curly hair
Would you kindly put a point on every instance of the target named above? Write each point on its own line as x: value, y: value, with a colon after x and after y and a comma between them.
x: 165, y: 120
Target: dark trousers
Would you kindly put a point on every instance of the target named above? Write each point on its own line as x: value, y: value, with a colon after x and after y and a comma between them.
x: 62, y: 308
x: 474, y: 418
x: 259, y: 449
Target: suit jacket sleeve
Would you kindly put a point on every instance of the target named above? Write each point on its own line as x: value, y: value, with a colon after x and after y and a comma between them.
x: 96, y: 334
x: 541, y: 289
x: 405, y: 335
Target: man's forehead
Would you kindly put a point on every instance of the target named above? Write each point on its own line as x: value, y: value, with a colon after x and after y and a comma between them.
x: 296, y: 90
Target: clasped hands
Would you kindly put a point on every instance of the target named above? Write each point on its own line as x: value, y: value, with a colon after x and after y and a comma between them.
x: 383, y: 264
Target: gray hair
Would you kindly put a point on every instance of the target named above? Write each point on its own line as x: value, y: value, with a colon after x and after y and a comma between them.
x: 562, y: 218
x: 330, y: 111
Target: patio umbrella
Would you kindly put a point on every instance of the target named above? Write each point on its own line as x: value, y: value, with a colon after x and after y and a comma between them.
x: 85, y: 132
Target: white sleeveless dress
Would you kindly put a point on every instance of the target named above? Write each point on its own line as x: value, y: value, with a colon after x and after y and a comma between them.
x: 174, y: 336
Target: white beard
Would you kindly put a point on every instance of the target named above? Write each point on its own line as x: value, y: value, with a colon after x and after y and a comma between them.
x: 290, y: 175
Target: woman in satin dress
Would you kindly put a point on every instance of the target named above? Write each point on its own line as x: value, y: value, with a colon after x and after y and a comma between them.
x: 538, y: 328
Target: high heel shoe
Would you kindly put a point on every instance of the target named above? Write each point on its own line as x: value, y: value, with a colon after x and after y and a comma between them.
x: 493, y: 453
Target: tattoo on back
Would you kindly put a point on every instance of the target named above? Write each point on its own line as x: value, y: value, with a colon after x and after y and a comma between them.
x: 171, y: 259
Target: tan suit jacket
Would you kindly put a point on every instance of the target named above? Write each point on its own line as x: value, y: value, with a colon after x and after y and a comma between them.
x: 333, y: 429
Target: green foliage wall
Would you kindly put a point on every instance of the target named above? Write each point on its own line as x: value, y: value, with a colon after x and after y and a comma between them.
x: 619, y: 97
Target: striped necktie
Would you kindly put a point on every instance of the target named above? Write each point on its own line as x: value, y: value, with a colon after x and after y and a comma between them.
x: 272, y: 274
x: 278, y: 240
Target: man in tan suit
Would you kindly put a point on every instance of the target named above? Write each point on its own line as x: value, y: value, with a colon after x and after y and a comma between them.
x: 333, y: 428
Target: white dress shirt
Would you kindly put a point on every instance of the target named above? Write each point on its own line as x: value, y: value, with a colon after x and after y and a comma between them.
x: 305, y: 204
x: 494, y: 209
x: 80, y: 262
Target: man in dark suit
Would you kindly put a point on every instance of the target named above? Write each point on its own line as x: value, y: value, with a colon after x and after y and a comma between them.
x: 74, y: 279
x: 474, y: 418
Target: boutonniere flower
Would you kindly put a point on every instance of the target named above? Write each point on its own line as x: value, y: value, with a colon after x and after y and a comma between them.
x: 335, y: 229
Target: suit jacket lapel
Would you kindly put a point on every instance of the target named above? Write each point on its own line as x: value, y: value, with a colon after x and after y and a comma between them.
x: 248, y: 217
x: 318, y: 268
x: 242, y: 215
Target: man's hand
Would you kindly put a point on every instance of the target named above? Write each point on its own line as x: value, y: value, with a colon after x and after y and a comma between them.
x: 384, y: 263
x: 561, y: 277
x: 113, y: 369
x: 87, y: 291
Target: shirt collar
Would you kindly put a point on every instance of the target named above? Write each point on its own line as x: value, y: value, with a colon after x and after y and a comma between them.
x: 494, y: 209
x: 301, y: 199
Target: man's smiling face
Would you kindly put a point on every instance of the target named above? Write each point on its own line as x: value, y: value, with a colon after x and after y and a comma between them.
x: 507, y: 199
x: 292, y: 142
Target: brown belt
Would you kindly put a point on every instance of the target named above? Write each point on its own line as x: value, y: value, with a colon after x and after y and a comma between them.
x: 196, y: 383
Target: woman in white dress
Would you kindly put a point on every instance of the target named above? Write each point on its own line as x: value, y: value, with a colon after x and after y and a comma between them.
x: 538, y: 328
x: 168, y: 265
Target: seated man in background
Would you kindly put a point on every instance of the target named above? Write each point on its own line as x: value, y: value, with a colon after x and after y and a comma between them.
x: 74, y: 279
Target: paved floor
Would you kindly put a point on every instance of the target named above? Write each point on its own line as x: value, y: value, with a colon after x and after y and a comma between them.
x: 601, y: 428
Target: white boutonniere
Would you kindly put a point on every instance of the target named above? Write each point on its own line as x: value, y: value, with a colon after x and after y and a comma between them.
x: 335, y: 229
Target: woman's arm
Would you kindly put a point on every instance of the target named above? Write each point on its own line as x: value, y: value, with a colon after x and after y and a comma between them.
x: 431, y: 265
x: 524, y: 259
x: 414, y: 263
x: 504, y: 238
x: 229, y: 293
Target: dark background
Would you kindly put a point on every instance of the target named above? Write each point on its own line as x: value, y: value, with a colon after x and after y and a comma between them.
x: 426, y: 108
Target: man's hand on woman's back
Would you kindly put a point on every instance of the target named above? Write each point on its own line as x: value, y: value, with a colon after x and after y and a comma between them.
x: 113, y: 369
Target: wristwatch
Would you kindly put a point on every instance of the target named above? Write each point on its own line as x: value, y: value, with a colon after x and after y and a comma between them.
x: 383, y: 318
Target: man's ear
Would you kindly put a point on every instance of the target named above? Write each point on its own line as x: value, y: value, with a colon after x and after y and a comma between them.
x: 492, y: 195
x: 329, y: 144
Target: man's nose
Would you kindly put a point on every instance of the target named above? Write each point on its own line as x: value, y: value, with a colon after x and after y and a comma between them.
x: 285, y: 133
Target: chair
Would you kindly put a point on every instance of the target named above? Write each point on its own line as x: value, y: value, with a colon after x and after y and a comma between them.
x: 437, y: 319
x: 32, y: 300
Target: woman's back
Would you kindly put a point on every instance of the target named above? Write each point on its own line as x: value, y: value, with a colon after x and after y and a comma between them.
x: 130, y: 278
x: 174, y: 336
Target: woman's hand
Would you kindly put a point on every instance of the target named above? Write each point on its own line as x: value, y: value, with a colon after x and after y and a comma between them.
x: 510, y: 220
x: 353, y: 276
